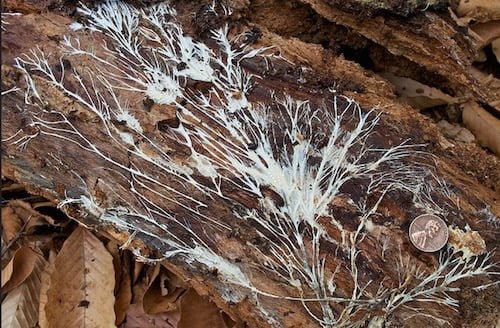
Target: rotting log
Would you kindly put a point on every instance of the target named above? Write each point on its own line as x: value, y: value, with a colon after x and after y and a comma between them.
x: 244, y: 158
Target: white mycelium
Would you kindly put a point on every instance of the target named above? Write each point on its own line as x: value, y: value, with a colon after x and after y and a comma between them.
x: 304, y: 154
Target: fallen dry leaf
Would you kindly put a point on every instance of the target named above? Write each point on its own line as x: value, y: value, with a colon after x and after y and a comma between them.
x: 483, y: 125
x: 417, y: 94
x: 82, y: 284
x: 149, y: 274
x: 20, y: 306
x: 7, y: 271
x: 174, y: 279
x: 138, y: 267
x: 44, y: 287
x: 487, y: 32
x: 24, y: 260
x: 485, y: 79
x: 123, y: 293
x: 488, y: 81
x: 114, y: 249
x: 479, y: 10
x: 163, y: 294
x: 11, y: 224
x: 136, y: 318
x: 199, y: 312
x: 455, y: 132
x: 19, y: 217
x: 495, y: 46
x: 31, y: 217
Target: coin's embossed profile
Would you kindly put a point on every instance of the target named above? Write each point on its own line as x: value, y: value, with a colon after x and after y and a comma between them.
x: 428, y: 233
x: 420, y: 237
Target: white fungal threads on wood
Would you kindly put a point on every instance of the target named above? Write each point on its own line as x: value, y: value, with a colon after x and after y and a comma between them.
x: 295, y: 158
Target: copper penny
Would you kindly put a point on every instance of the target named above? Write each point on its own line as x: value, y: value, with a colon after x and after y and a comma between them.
x: 428, y: 233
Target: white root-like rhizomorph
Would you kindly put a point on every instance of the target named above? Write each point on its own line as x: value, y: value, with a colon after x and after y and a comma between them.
x: 5, y: 21
x: 294, y: 157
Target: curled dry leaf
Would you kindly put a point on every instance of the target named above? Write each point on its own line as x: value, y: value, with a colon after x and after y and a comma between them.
x: 495, y: 46
x: 20, y: 306
x: 44, y: 287
x: 123, y: 284
x: 31, y: 217
x: 163, y: 294
x: 199, y: 312
x: 82, y: 284
x: 148, y: 275
x: 138, y: 267
x: 136, y: 318
x: 7, y: 271
x: 416, y: 94
x: 488, y: 81
x: 11, y: 224
x: 485, y: 79
x: 123, y: 294
x: 487, y: 32
x: 19, y: 217
x: 23, y: 262
x: 455, y: 132
x: 174, y: 278
x: 114, y: 249
x: 479, y: 10
x: 483, y: 125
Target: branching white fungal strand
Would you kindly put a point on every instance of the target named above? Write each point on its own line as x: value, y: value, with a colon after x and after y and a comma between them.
x: 4, y: 21
x: 296, y: 158
x: 435, y: 286
x: 489, y: 218
x: 13, y: 89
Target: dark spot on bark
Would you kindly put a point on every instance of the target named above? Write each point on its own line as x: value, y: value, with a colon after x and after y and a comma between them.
x: 84, y: 304
x: 148, y: 103
x: 66, y: 64
x: 252, y: 146
x: 118, y: 122
x: 165, y: 125
x: 55, y: 38
x: 314, y: 160
x: 252, y: 35
x: 273, y: 195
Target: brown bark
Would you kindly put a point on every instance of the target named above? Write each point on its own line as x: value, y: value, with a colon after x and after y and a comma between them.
x: 427, y: 46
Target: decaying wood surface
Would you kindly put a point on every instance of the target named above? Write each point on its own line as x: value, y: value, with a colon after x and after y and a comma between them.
x: 318, y: 50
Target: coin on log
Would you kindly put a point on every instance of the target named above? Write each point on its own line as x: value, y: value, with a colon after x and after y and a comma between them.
x: 428, y: 233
